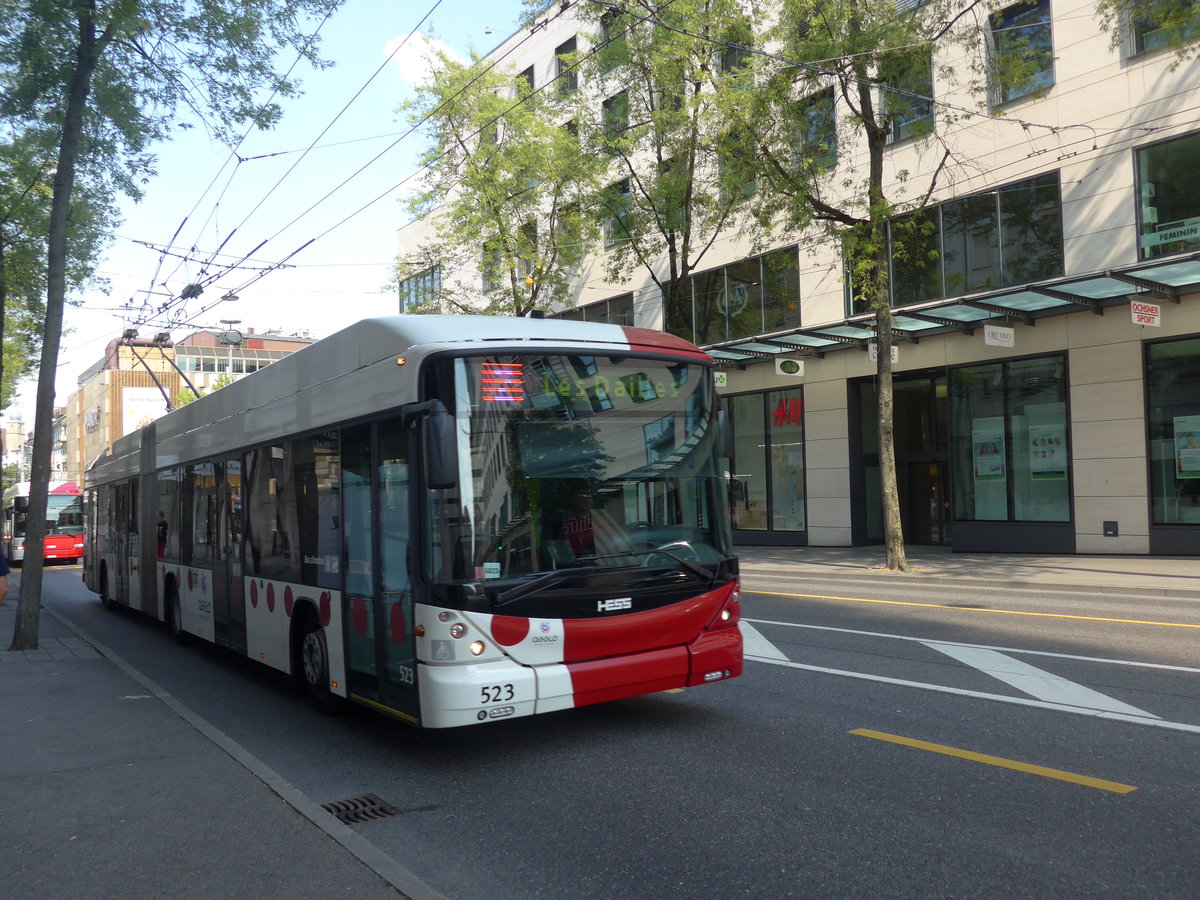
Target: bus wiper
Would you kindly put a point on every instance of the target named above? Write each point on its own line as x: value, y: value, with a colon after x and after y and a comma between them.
x: 687, y: 565
x: 528, y: 587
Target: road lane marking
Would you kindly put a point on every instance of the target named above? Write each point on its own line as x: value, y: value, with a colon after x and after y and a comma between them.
x: 981, y: 695
x: 971, y: 609
x: 757, y: 646
x: 904, y: 637
x: 1058, y: 774
x: 1034, y: 681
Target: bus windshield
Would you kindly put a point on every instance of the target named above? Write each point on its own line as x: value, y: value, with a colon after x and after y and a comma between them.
x: 64, y: 515
x: 574, y: 462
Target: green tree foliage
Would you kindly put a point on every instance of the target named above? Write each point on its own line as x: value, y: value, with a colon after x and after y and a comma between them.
x: 665, y: 81
x: 509, y: 184
x: 26, y: 174
x: 1172, y: 25
x: 107, y: 78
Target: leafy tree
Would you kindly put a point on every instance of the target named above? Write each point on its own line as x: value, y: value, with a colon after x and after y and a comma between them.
x: 822, y: 130
x: 26, y: 171
x: 664, y: 81
x: 1175, y: 23
x: 509, y: 185
x: 107, y: 78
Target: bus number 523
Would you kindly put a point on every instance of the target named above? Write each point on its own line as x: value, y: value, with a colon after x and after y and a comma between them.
x: 496, y: 693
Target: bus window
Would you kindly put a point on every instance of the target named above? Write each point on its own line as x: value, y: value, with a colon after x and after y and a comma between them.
x: 203, y: 483
x: 167, y: 524
x: 271, y: 521
x: 316, y: 475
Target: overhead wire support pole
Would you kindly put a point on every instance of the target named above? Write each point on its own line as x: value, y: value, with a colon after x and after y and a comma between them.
x: 158, y: 384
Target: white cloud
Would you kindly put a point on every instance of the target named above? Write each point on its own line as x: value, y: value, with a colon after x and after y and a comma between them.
x: 414, y: 61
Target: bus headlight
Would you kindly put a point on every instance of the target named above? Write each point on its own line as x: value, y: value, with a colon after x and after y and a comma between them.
x: 457, y: 630
x: 477, y: 648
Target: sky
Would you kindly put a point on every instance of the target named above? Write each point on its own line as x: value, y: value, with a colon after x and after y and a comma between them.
x: 344, y: 194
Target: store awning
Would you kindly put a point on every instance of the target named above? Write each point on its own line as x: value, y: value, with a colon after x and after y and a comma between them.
x: 1156, y: 281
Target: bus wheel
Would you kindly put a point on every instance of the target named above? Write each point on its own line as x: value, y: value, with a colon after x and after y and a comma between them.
x: 109, y: 602
x: 175, y: 615
x: 314, y: 664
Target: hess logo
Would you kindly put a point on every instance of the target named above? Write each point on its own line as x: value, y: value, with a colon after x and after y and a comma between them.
x: 614, y: 605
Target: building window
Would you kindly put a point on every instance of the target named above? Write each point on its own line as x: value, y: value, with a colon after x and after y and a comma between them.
x: 491, y: 266
x: 1173, y: 411
x: 736, y: 165
x: 1022, y: 51
x: 616, y: 311
x: 736, y: 51
x: 614, y: 48
x: 1012, y: 235
x: 564, y: 68
x: 617, y: 202
x: 1010, y: 450
x: 754, y: 296
x: 908, y: 99
x: 614, y: 120
x: 1169, y: 197
x: 816, y: 130
x: 525, y: 82
x: 421, y: 290
x: 767, y: 487
x: 1175, y: 23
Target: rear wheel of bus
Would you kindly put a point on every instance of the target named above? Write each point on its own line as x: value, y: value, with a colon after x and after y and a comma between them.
x: 312, y: 657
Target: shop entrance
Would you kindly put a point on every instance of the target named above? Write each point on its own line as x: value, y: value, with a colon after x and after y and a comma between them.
x: 921, y: 428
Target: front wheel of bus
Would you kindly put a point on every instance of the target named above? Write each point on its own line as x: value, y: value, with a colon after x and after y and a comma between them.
x: 314, y: 664
x: 175, y: 615
x: 107, y: 601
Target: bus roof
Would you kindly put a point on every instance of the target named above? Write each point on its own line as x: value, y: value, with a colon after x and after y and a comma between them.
x: 370, y: 367
x: 21, y: 489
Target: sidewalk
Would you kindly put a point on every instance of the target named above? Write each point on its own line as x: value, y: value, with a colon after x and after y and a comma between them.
x: 112, y: 789
x: 1156, y: 576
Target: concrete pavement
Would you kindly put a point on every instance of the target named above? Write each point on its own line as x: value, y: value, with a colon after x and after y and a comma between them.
x: 111, y: 788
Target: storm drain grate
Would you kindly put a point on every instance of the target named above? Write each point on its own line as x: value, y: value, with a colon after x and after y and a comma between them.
x: 363, y: 808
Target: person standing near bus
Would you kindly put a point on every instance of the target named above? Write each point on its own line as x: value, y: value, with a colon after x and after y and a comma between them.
x: 3, y: 579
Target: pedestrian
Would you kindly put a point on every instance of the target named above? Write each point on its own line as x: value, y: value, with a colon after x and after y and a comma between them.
x: 3, y: 579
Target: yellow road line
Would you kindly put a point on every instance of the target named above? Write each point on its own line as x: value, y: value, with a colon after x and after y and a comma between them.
x: 1057, y: 774
x: 971, y: 609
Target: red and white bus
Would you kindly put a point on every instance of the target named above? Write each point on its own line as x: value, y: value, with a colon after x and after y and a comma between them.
x: 449, y: 519
x: 64, y: 522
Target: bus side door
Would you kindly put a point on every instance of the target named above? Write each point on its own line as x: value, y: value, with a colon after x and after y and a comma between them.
x: 377, y: 604
x: 229, y: 604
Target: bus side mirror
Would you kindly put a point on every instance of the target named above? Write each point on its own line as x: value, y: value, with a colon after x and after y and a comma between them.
x: 438, y: 445
x: 724, y: 432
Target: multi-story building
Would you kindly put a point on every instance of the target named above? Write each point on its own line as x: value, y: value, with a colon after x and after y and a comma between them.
x: 1047, y: 366
x: 140, y: 379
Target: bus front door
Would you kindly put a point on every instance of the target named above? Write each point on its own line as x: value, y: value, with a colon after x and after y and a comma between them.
x: 377, y: 610
x: 229, y: 604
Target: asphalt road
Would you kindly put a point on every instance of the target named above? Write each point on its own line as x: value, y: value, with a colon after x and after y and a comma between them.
x: 900, y: 743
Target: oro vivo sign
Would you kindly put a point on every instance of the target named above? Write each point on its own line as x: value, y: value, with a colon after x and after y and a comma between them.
x: 1145, y: 313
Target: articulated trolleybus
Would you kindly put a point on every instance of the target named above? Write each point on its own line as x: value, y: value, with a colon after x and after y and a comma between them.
x: 449, y: 519
x: 64, y: 522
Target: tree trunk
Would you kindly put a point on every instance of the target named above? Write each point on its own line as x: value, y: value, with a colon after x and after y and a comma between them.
x: 893, y: 530
x: 25, y: 635
x: 895, y: 558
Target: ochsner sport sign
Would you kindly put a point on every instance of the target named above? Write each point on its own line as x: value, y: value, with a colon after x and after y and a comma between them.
x: 1145, y: 313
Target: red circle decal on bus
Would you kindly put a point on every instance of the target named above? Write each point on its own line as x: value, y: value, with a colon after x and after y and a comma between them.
x: 288, y: 601
x: 399, y: 625
x: 508, y: 631
x: 254, y: 594
x: 326, y: 610
x: 360, y: 614
x: 270, y: 598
